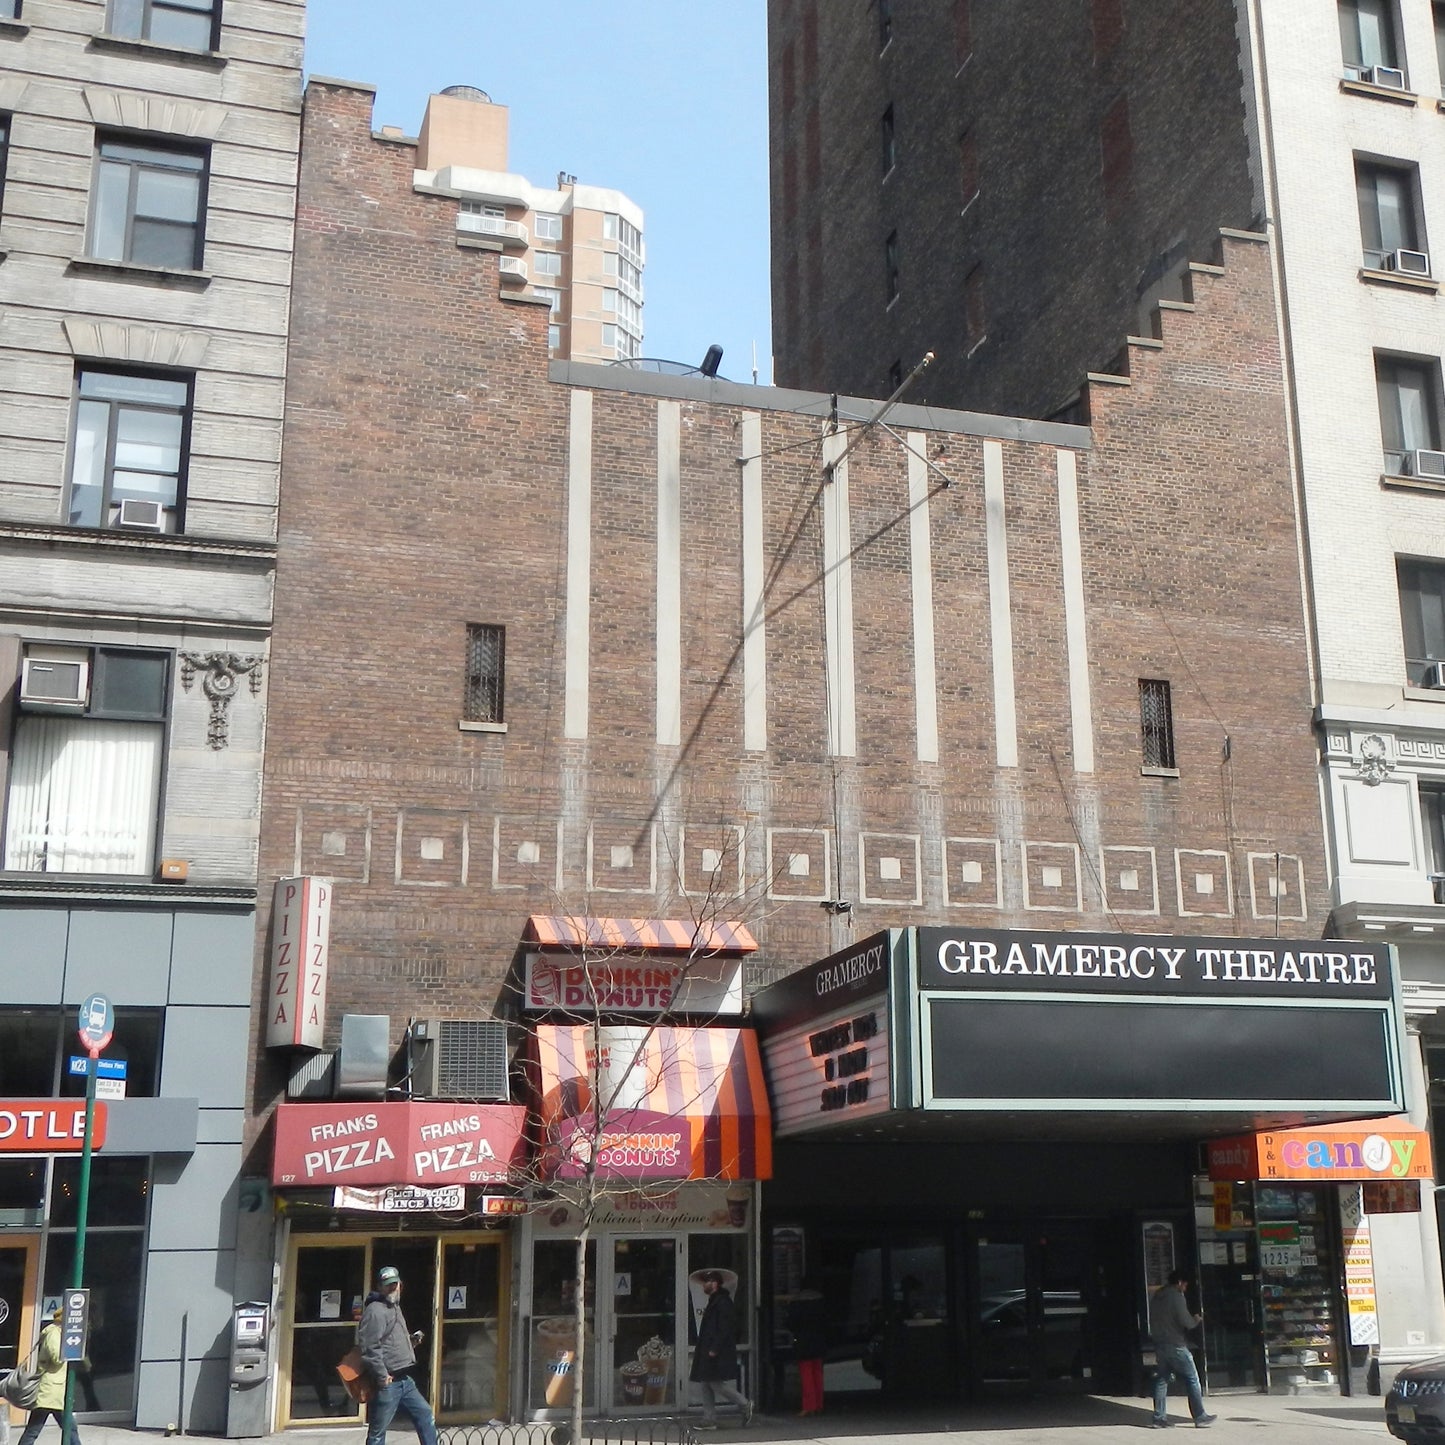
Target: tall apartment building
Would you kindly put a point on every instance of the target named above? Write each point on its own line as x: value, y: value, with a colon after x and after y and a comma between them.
x: 561, y: 641
x: 149, y: 161
x: 578, y: 246
x: 1015, y: 186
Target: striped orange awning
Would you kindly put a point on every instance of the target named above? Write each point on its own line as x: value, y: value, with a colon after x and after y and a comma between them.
x: 668, y: 935
x: 654, y: 1102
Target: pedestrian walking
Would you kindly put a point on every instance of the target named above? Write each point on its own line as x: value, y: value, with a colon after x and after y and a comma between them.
x: 388, y: 1350
x: 715, y: 1362
x: 807, y: 1323
x: 1170, y: 1325
x: 50, y: 1396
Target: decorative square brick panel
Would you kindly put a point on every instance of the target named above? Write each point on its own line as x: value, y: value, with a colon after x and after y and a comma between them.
x: 1130, y: 877
x: 333, y: 840
x: 1277, y: 886
x: 1051, y: 877
x: 1206, y: 889
x: 800, y: 864
x: 972, y: 873
x: 432, y: 847
x: 527, y: 853
x: 710, y: 860
x: 890, y: 868
x: 622, y: 856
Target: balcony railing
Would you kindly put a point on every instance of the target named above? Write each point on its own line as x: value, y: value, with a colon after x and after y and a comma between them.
x: 510, y: 233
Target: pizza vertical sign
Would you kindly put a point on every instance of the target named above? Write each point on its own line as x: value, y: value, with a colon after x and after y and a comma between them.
x: 300, y: 944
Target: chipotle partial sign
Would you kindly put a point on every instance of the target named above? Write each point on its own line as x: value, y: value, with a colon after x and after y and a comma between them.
x: 48, y: 1126
x: 382, y: 1144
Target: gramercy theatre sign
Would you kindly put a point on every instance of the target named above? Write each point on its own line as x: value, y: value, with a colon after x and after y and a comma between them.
x: 951, y: 959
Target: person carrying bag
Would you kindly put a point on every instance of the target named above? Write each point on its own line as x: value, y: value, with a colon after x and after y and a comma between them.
x: 48, y: 1399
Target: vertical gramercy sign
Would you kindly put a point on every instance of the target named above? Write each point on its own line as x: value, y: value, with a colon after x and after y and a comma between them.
x: 300, y: 945
x: 953, y: 959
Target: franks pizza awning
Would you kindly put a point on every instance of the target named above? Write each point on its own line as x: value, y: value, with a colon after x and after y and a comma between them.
x: 1367, y: 1149
x: 672, y: 1103
x: 643, y: 935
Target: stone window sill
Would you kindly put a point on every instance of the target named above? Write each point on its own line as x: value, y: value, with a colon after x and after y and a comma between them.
x: 1158, y: 772
x: 1378, y: 92
x: 127, y: 45
x: 1410, y: 484
x: 1424, y: 694
x: 139, y: 271
x: 16, y: 29
x: 1399, y: 278
x: 481, y: 727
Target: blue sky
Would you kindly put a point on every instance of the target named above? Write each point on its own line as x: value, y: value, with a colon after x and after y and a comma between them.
x: 663, y: 99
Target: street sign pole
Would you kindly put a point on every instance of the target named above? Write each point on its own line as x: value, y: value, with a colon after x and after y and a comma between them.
x: 97, y: 1022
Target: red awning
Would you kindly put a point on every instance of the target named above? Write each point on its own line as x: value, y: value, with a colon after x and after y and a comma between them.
x: 1362, y: 1149
x: 678, y: 1103
x: 668, y: 935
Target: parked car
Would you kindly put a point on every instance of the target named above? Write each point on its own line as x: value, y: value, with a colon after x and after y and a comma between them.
x: 1415, y: 1406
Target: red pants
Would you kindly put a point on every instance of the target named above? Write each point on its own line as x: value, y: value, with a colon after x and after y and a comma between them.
x: 810, y: 1374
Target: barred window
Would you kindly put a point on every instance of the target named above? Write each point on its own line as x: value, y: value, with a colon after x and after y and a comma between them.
x: 1156, y: 723
x: 485, y: 650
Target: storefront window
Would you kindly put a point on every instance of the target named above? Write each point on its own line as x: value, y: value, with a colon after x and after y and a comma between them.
x: 114, y: 1274
x: 28, y: 1039
x: 471, y: 1329
x: 553, y: 1339
x: 22, y: 1193
x: 119, y: 1191
x: 37, y: 1045
x: 329, y: 1288
x: 644, y: 1294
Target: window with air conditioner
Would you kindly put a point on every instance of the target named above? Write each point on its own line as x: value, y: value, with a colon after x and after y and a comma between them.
x: 128, y: 455
x: 149, y: 204
x: 1422, y: 617
x: 1367, y: 42
x: 186, y: 24
x: 84, y: 783
x: 1390, y: 229
x: 1409, y: 396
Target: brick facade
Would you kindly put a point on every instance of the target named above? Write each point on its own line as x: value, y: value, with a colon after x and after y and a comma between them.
x: 431, y: 463
x: 1133, y: 152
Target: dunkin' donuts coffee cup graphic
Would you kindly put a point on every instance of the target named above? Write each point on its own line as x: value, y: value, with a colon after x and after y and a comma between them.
x: 738, y: 1207
x: 656, y: 1358
x: 556, y: 1350
x: 634, y: 1382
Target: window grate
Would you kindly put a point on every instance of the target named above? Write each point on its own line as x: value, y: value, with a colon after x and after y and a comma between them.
x: 485, y: 656
x: 1156, y: 723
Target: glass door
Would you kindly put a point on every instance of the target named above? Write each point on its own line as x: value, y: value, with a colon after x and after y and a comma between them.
x: 472, y: 1378
x: 643, y: 1293
x: 17, y: 1289
x: 328, y: 1286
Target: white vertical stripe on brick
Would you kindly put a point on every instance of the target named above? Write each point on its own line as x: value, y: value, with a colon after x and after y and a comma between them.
x: 1005, y: 717
x: 920, y: 553
x: 838, y: 602
x: 579, y: 565
x: 1081, y: 705
x: 669, y: 574
x: 755, y: 642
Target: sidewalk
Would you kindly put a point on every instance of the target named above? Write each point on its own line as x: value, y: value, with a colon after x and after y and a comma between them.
x: 1099, y: 1419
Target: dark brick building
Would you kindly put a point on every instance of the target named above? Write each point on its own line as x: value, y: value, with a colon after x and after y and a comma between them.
x: 1009, y: 186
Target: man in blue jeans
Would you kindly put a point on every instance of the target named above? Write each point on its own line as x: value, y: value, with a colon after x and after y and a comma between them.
x: 389, y: 1354
x: 1170, y: 1324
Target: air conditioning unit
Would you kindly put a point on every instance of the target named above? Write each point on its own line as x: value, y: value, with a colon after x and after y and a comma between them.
x: 459, y: 1059
x: 143, y: 516
x: 1434, y: 676
x: 1387, y: 76
x: 1429, y: 464
x: 1408, y: 263
x: 55, y: 679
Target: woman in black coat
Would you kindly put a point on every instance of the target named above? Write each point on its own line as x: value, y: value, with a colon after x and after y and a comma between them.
x: 807, y: 1321
x: 715, y: 1362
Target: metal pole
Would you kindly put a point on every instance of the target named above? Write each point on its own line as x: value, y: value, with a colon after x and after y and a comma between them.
x: 82, y: 1210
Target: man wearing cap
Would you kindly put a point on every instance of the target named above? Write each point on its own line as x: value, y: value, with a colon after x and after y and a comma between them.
x: 50, y: 1396
x: 389, y: 1354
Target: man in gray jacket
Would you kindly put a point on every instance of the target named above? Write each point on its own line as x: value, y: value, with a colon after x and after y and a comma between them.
x: 1170, y: 1324
x: 387, y: 1351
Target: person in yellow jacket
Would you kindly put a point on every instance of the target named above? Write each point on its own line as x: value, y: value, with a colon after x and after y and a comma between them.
x: 50, y: 1397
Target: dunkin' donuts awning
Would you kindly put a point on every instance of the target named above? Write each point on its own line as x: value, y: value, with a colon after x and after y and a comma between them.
x: 678, y: 1103
x: 1366, y: 1149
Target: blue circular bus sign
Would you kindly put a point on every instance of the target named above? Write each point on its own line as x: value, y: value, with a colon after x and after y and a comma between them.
x: 97, y: 1023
